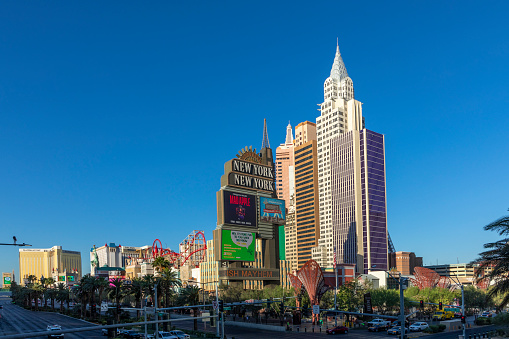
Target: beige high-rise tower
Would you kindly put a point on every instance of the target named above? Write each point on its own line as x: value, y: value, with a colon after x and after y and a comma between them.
x: 285, y: 171
x: 306, y: 191
x: 339, y: 113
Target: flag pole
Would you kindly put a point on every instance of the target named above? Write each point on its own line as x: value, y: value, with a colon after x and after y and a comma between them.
x: 335, y: 290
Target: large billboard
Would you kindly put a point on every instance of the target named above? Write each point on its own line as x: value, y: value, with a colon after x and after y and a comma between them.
x: 239, y: 246
x: 239, y: 209
x: 7, y: 281
x: 272, y: 210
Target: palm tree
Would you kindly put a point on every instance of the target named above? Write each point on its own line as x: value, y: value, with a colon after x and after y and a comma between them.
x: 102, y: 284
x: 160, y: 263
x: 38, y: 291
x: 136, y: 290
x: 192, y: 295
x: 496, y: 258
x: 90, y: 286
x: 62, y: 295
x: 116, y: 292
x: 169, y: 280
x: 148, y: 285
x: 48, y: 286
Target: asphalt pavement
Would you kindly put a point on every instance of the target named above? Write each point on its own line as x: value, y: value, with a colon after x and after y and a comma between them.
x: 17, y: 320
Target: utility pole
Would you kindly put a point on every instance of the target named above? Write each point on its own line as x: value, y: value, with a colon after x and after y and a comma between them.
x: 156, y: 316
x: 145, y: 312
x: 217, y: 311
x: 335, y: 298
x: 402, y: 281
x: 463, y: 310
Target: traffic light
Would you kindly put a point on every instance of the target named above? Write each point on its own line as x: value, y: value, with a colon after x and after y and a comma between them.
x: 463, y: 319
x: 220, y: 305
x: 422, y: 303
x: 440, y: 305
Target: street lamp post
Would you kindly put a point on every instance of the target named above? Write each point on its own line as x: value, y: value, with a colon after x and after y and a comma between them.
x: 403, y: 284
x: 463, y: 325
x: 156, y: 316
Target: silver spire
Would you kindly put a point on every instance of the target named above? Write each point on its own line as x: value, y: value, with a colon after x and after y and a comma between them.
x: 338, y: 71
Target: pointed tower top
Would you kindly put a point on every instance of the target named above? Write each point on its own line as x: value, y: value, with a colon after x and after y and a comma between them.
x: 289, y: 134
x: 338, y: 70
x: 265, y: 141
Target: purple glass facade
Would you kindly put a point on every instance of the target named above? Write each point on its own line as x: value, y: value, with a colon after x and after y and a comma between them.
x: 374, y: 209
x: 359, y: 222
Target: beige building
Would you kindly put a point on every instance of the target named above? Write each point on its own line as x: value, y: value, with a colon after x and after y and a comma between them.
x: 465, y: 273
x: 61, y: 265
x: 306, y: 192
x: 285, y: 172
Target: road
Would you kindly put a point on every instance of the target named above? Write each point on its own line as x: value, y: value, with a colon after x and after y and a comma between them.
x: 16, y: 320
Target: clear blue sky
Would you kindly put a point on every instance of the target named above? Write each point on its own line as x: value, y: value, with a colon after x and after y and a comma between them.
x: 116, y: 118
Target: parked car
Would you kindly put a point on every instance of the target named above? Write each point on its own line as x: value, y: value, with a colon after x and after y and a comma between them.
x: 117, y: 331
x: 377, y: 328
x: 54, y: 328
x: 130, y: 334
x: 418, y: 326
x: 379, y: 321
x: 165, y: 335
x: 337, y: 329
x: 396, y: 330
x: 180, y: 334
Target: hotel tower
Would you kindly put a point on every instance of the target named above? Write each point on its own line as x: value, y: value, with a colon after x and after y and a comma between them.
x: 351, y: 179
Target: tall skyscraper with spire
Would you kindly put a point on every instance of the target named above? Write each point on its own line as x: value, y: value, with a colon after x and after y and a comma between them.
x: 351, y: 203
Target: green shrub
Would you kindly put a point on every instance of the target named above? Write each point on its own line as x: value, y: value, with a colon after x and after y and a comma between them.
x: 428, y: 330
x: 441, y: 328
x: 434, y: 328
x: 483, y: 321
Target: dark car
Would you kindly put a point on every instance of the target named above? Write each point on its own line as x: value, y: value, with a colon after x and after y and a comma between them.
x: 337, y: 329
x: 130, y: 334
x: 396, y: 330
x: 377, y: 328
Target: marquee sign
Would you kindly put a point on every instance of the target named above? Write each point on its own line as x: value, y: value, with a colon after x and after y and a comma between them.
x: 245, y: 174
x: 249, y: 274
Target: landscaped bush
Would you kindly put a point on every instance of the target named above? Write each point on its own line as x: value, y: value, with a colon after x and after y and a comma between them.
x: 483, y: 321
x: 435, y: 329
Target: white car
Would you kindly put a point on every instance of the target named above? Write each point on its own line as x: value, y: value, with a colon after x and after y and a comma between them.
x: 379, y: 321
x: 180, y: 334
x: 54, y: 328
x: 419, y: 326
x: 165, y: 335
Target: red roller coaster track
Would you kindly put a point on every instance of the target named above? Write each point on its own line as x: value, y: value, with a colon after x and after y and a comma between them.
x: 196, y: 244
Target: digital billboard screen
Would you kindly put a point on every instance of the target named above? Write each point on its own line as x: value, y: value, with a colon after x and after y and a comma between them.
x: 239, y: 246
x: 239, y: 209
x: 272, y: 210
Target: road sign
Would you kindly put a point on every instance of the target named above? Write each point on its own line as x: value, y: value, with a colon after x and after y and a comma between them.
x: 316, y: 309
x: 104, y: 307
x: 215, y: 305
x: 205, y: 314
